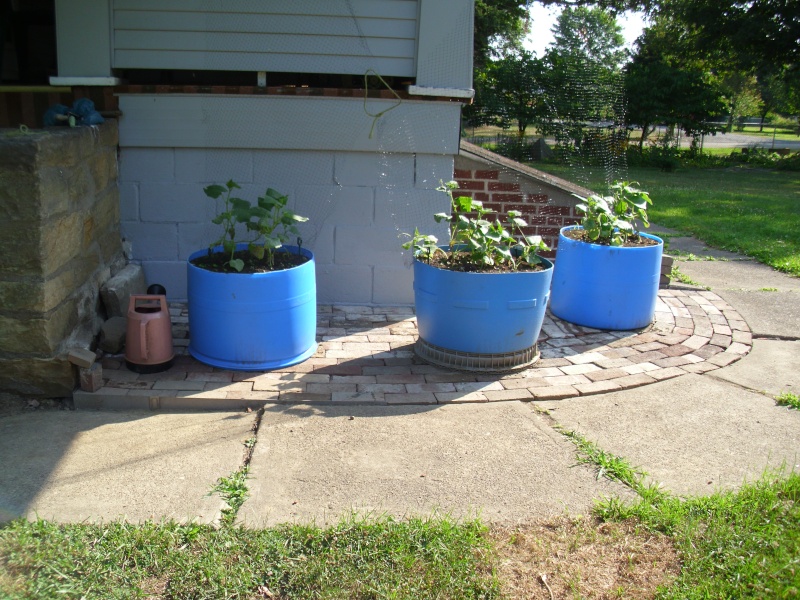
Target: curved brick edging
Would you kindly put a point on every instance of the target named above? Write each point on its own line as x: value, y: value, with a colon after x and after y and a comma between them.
x: 366, y: 356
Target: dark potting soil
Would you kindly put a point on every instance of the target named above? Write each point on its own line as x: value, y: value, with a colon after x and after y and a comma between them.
x: 218, y: 262
x: 459, y: 261
x: 634, y: 241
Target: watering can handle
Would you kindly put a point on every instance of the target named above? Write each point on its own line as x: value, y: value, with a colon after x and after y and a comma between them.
x: 143, y: 338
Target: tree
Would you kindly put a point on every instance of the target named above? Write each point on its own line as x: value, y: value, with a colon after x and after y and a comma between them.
x: 591, y: 34
x: 512, y: 91
x: 500, y: 23
x: 755, y: 34
x: 667, y: 82
x: 583, y: 83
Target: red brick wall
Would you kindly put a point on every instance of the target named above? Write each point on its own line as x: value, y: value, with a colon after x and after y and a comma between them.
x: 546, y: 213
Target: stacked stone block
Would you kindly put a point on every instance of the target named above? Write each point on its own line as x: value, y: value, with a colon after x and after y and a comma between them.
x: 59, y: 238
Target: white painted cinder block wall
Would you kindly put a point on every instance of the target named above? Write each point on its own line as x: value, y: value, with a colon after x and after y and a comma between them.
x: 358, y: 202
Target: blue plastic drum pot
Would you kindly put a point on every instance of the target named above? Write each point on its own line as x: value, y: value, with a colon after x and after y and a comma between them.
x: 253, y: 322
x: 481, y: 313
x: 606, y: 287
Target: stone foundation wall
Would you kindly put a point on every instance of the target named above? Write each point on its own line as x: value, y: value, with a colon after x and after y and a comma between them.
x: 60, y: 241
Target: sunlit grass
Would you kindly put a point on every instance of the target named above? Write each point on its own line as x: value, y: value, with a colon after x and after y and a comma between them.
x: 755, y: 212
x: 358, y: 558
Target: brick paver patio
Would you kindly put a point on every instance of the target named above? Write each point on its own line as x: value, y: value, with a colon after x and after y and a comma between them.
x: 366, y: 355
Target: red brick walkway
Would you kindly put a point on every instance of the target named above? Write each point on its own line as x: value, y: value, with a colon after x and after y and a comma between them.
x: 366, y: 356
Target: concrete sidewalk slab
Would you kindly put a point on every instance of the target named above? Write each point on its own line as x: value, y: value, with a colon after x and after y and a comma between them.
x: 771, y: 314
x: 738, y: 275
x: 693, y: 434
x: 500, y: 460
x: 771, y: 367
x: 768, y: 300
x: 98, y: 466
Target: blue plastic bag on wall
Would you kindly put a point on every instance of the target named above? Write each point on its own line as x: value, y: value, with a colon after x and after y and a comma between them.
x: 82, y: 112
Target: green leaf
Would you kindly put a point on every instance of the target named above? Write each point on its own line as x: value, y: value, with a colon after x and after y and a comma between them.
x: 277, y: 196
x: 465, y: 203
x: 240, y: 203
x: 242, y: 214
x: 439, y: 217
x: 257, y: 250
x: 214, y: 191
x: 267, y: 203
x: 272, y: 242
x: 237, y: 263
x: 519, y: 222
x: 232, y: 185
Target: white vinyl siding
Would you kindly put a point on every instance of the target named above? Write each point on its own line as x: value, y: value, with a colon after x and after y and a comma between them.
x: 306, y: 36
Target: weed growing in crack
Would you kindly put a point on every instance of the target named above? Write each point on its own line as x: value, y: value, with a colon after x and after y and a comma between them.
x: 233, y: 490
x: 788, y: 399
x: 677, y: 275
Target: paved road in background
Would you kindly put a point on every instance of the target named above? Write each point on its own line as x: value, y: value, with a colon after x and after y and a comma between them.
x: 741, y: 140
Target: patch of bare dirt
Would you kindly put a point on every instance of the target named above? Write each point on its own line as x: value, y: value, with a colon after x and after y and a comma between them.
x: 582, y: 558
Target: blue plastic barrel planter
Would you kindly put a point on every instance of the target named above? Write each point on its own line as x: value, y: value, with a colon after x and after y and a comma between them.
x: 605, y: 287
x: 480, y: 321
x: 253, y: 321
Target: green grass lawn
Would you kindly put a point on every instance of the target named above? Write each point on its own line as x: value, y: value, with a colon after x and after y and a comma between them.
x: 743, y: 544
x: 755, y: 212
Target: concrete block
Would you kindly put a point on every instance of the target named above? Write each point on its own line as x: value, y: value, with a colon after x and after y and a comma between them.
x: 431, y: 169
x: 195, y: 236
x: 320, y: 242
x: 406, y: 209
x: 178, y: 203
x: 91, y: 378
x: 368, y: 246
x: 112, y: 335
x: 170, y: 274
x: 200, y: 167
x: 151, y: 241
x: 346, y: 284
x: 116, y: 292
x: 331, y: 205
x: 393, y: 285
x: 146, y: 164
x: 374, y: 169
x: 82, y: 357
x: 270, y: 167
x: 129, y: 201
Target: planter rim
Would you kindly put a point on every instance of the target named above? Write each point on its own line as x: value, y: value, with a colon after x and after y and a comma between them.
x: 642, y: 233
x: 304, y: 251
x: 548, y: 265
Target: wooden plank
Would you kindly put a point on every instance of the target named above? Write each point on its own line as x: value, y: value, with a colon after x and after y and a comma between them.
x: 296, y: 123
x: 265, y: 23
x: 398, y: 9
x: 191, y: 41
x: 278, y: 63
